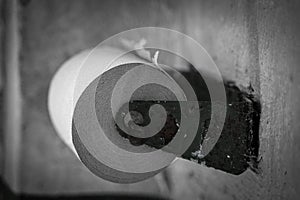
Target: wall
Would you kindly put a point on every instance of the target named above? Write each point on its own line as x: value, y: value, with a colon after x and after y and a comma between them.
x: 254, y: 43
x: 260, y: 41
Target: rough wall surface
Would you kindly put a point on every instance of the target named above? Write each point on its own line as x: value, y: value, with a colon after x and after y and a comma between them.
x: 253, y: 43
x: 264, y: 51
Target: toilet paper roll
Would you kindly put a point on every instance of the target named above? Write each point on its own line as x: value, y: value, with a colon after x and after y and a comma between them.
x: 84, y: 99
x: 90, y: 95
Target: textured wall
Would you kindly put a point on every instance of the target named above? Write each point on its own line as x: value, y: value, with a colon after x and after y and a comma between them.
x: 259, y: 43
x: 254, y: 43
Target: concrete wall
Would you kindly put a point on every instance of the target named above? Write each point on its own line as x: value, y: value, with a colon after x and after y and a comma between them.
x: 259, y: 43
x: 254, y: 43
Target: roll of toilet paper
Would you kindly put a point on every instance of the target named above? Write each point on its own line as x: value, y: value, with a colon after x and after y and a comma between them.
x: 85, y: 97
x: 91, y: 94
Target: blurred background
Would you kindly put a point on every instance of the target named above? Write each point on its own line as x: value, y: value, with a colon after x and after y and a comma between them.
x: 255, y: 44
